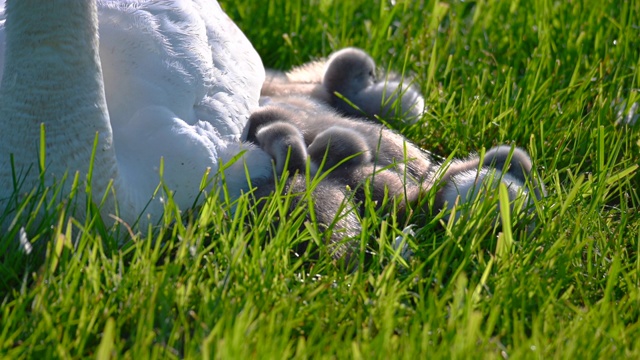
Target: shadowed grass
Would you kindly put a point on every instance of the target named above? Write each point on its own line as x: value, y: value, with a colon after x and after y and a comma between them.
x: 549, y: 76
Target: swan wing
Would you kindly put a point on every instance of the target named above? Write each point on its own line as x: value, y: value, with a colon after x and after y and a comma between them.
x: 180, y: 81
x: 187, y: 56
x: 238, y: 66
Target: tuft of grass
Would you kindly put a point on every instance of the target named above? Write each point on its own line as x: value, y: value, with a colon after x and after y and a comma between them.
x: 223, y: 282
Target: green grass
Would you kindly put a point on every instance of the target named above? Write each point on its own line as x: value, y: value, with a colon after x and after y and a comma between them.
x: 541, y: 74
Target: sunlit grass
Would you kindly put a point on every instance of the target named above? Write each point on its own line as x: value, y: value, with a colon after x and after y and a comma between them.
x: 548, y: 76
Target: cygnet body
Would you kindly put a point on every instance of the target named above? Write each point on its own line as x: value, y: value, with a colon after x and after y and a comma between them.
x: 347, y: 81
x: 360, y: 150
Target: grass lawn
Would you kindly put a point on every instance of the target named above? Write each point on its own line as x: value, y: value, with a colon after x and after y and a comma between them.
x: 557, y: 78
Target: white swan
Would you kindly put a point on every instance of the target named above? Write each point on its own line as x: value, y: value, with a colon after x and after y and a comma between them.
x: 167, y: 79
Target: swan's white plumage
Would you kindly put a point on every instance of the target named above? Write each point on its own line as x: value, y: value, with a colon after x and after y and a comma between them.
x: 187, y: 56
x: 180, y: 81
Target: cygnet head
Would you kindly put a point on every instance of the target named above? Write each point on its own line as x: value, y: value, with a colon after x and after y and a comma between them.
x: 285, y: 144
x: 502, y: 164
x: 262, y: 117
x: 349, y: 71
x: 519, y: 165
x: 336, y: 144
